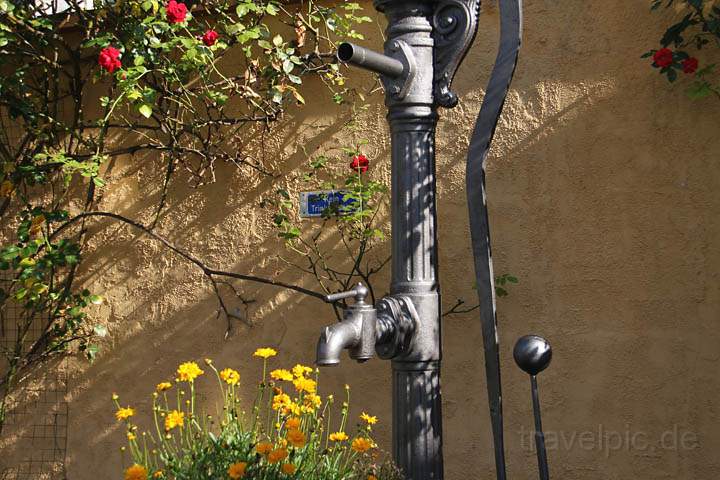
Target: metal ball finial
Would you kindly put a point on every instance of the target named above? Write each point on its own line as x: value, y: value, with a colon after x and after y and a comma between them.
x: 532, y: 354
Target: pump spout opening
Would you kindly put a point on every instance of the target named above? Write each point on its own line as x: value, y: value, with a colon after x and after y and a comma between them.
x: 365, y: 58
x: 334, y: 340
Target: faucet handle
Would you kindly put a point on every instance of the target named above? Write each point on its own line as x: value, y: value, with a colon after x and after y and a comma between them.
x: 360, y: 291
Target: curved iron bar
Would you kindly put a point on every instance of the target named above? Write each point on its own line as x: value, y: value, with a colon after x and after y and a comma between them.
x: 490, y: 111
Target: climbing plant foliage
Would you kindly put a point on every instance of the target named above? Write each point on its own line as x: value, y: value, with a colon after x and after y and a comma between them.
x: 185, y: 81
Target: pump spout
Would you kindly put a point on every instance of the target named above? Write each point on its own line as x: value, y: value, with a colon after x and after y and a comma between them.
x: 334, y: 339
x: 356, y: 332
x: 370, y: 60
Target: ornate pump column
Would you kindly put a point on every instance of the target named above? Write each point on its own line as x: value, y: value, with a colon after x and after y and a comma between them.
x: 417, y: 418
x: 426, y: 42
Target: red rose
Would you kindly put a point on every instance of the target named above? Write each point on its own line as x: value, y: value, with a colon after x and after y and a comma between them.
x: 663, y: 57
x: 109, y: 59
x: 360, y: 163
x: 210, y: 37
x: 690, y: 65
x: 176, y: 12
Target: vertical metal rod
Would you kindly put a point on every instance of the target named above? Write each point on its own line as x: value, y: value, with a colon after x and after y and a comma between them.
x: 539, y: 435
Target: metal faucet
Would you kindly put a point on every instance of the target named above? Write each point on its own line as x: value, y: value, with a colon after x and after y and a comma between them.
x: 426, y: 42
x: 356, y: 332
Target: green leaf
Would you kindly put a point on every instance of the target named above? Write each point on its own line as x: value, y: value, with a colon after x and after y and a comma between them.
x: 139, y: 60
x: 277, y: 40
x: 96, y: 299
x: 699, y: 90
x: 272, y: 9
x: 100, y: 330
x: 145, y: 110
x: 91, y: 351
x: 10, y: 253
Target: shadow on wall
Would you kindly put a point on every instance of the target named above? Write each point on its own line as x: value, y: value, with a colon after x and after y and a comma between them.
x: 602, y: 188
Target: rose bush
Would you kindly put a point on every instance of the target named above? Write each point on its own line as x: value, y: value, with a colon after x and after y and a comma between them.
x: 153, y: 74
x: 698, y: 28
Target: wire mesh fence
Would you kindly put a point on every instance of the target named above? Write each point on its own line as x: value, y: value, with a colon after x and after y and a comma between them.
x: 34, y: 430
x: 34, y: 413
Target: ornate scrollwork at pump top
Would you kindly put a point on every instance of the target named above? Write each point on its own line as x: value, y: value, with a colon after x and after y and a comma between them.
x: 455, y: 23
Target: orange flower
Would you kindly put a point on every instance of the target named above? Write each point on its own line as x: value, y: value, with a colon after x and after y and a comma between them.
x: 296, y: 438
x: 136, y: 472
x: 361, y: 444
x: 288, y: 468
x: 237, y: 470
x: 264, y: 448
x: 277, y: 455
x: 292, y: 423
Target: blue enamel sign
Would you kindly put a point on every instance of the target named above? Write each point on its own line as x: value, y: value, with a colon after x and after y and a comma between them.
x: 314, y: 204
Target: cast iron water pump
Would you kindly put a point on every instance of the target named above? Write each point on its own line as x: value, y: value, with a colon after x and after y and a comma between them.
x: 426, y: 42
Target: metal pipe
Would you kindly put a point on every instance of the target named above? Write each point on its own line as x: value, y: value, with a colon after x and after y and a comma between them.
x: 533, y: 354
x: 365, y: 58
x: 539, y: 435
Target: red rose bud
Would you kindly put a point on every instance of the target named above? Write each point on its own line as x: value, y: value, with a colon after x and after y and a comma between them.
x: 360, y: 163
x: 210, y: 37
x: 690, y: 65
x: 176, y: 12
x: 109, y: 59
x: 663, y: 57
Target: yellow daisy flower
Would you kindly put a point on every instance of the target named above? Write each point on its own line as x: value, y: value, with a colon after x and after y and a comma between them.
x: 281, y: 374
x: 305, y: 385
x: 124, y: 413
x: 338, y: 437
x: 281, y: 400
x: 265, y: 353
x: 174, y: 419
x: 230, y: 376
x: 188, y: 371
x: 162, y: 386
x: 370, y: 420
x: 301, y: 370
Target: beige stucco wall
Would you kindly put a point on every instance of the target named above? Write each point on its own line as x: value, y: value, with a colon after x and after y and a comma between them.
x: 603, y: 188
